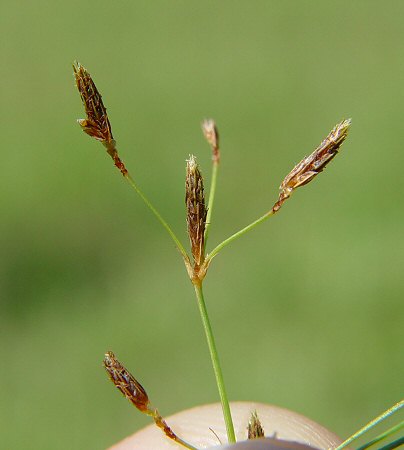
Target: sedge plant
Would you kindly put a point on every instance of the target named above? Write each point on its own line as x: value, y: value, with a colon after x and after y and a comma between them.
x: 199, y: 219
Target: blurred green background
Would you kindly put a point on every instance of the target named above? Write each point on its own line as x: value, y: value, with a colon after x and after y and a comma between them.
x: 307, y: 309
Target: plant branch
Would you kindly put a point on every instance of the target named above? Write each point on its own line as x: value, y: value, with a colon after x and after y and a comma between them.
x: 97, y: 125
x: 212, y: 192
x: 211, y: 134
x: 147, y: 202
x: 240, y: 233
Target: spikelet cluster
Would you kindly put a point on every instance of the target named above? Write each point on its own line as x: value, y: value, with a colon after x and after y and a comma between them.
x: 196, y: 210
x: 312, y: 165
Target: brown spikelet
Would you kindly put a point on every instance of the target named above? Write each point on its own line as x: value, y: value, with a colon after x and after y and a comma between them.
x: 96, y: 124
x: 196, y: 210
x: 136, y: 394
x: 312, y: 165
x: 254, y: 428
x: 126, y: 383
x: 212, y: 136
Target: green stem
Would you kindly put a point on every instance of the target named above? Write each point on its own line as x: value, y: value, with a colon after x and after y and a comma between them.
x: 371, y: 424
x: 382, y: 436
x: 180, y: 247
x: 227, y: 241
x: 212, y: 192
x: 395, y: 444
x: 185, y: 444
x: 216, y: 364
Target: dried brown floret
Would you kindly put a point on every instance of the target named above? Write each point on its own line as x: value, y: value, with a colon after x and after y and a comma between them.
x: 312, y: 165
x: 254, y: 428
x: 212, y: 136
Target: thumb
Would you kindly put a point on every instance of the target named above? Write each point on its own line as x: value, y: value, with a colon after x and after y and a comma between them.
x: 203, y: 427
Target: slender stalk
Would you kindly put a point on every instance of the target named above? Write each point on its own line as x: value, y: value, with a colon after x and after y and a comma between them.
x: 395, y: 444
x: 371, y: 424
x: 185, y: 444
x: 216, y: 364
x: 382, y: 436
x: 180, y: 247
x: 233, y: 237
x: 212, y: 192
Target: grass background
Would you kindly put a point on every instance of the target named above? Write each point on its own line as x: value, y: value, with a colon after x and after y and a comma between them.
x: 307, y: 309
